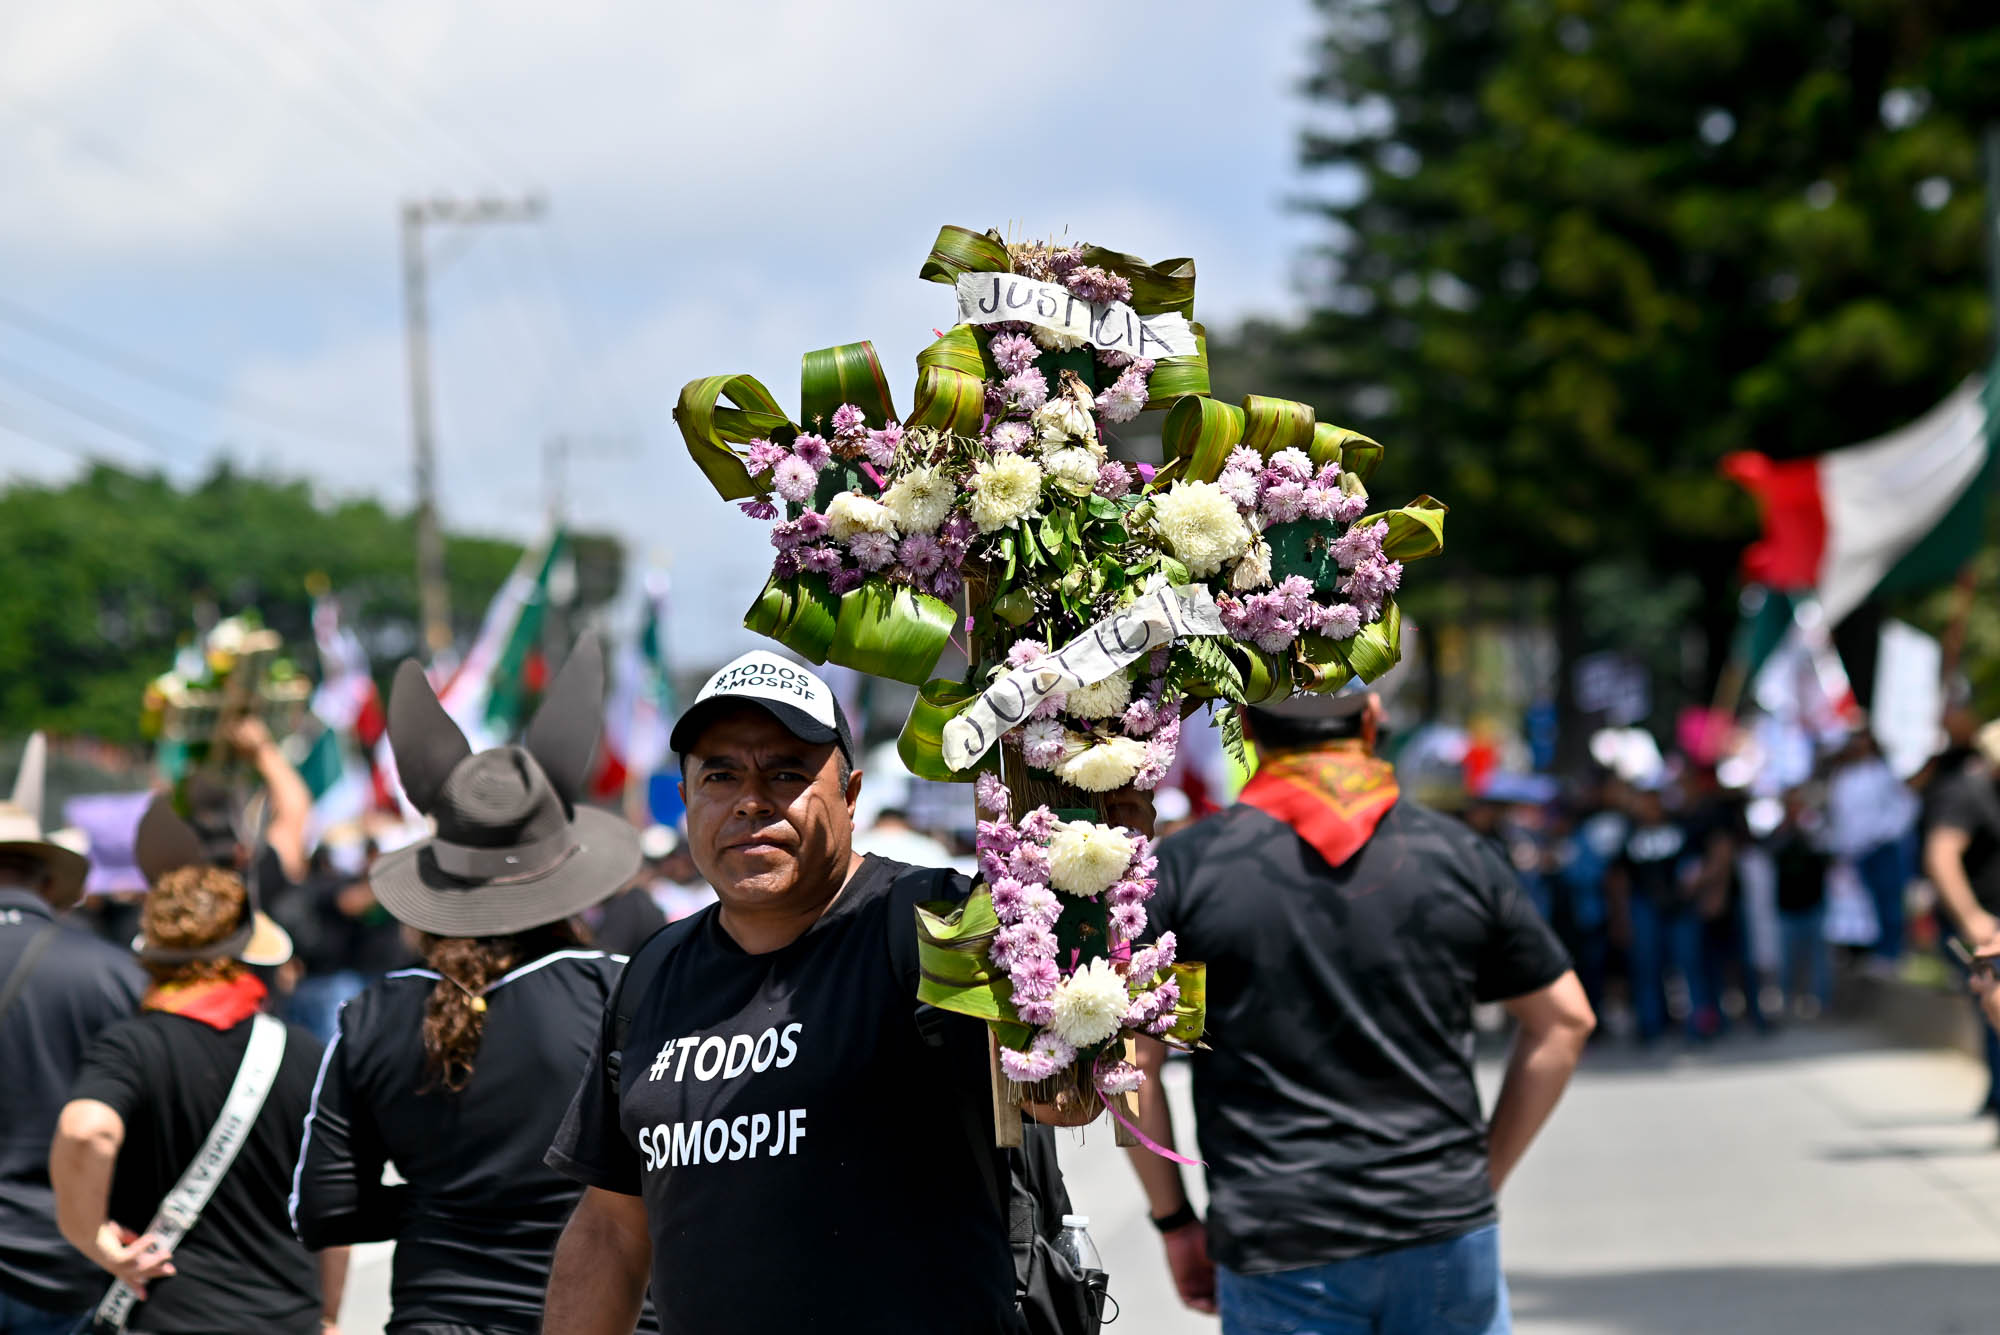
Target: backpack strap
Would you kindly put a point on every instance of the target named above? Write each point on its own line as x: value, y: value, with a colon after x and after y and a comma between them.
x: 17, y: 977
x: 633, y: 981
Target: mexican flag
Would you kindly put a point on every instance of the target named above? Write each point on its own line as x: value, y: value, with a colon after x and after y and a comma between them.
x: 344, y: 724
x: 638, y: 716
x: 1901, y: 512
x: 488, y: 692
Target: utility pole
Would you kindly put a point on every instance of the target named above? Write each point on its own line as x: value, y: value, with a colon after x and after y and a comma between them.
x: 431, y: 587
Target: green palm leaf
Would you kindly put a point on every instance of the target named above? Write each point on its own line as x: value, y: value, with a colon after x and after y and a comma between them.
x: 1175, y: 378
x: 1156, y: 288
x: 799, y: 613
x: 1270, y: 425
x: 920, y: 745
x: 710, y: 430
x: 849, y: 373
x: 1201, y: 431
x: 888, y: 630
x: 1415, y: 531
x: 960, y: 250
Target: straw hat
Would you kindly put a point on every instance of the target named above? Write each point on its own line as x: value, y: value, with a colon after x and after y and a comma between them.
x: 513, y: 850
x: 21, y: 830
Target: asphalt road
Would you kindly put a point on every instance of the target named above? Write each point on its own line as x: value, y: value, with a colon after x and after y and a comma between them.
x: 1816, y: 1183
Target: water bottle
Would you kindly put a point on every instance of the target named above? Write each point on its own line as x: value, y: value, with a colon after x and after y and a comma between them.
x: 1075, y: 1245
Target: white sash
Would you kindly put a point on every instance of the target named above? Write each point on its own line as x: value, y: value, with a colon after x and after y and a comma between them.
x: 182, y: 1206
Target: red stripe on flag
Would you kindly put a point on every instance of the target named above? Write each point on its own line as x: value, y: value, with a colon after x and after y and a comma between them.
x: 1787, y: 495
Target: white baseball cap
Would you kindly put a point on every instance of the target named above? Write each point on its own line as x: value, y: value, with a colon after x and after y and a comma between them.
x: 788, y: 692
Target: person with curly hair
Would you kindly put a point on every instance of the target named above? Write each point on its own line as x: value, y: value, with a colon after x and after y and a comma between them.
x: 150, y: 1096
x: 459, y: 1071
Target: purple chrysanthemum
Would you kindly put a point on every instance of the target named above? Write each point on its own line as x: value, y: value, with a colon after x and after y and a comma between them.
x: 845, y: 580
x: 762, y: 456
x: 1128, y: 920
x: 1322, y: 502
x: 1361, y: 543
x: 1114, y: 480
x: 1040, y: 904
x: 921, y: 554
x: 1284, y: 502
x: 820, y: 560
x: 1029, y: 862
x: 1039, y: 826
x: 1013, y: 353
x: 1126, y: 397
x: 1295, y: 464
x: 848, y: 418
x: 759, y: 509
x: 946, y: 584
x: 1161, y: 749
x: 1007, y: 900
x: 990, y: 794
x: 814, y: 450
x: 794, y: 479
x: 1034, y: 977
x: 1141, y: 717
x: 872, y: 551
x: 1239, y: 485
x: 1010, y: 437
x: 1042, y: 743
x: 1341, y: 621
x: 1099, y: 285
x: 1023, y: 652
x: 811, y: 525
x: 1027, y: 390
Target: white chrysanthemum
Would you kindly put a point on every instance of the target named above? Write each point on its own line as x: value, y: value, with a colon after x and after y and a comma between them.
x: 1101, y: 699
x: 1063, y: 418
x: 853, y: 513
x: 1054, y: 341
x: 1103, y: 767
x: 1006, y: 488
x: 921, y: 499
x: 1073, y: 469
x: 1086, y: 858
x: 1254, y: 570
x: 1089, y: 1005
x: 1201, y: 525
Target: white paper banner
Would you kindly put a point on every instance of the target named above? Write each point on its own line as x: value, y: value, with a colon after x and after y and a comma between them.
x: 1112, y: 645
x: 989, y: 298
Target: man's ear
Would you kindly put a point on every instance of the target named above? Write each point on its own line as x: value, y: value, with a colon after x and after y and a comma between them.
x: 853, y: 792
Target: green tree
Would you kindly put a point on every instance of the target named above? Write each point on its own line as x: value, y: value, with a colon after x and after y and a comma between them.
x: 1577, y: 250
x: 104, y: 577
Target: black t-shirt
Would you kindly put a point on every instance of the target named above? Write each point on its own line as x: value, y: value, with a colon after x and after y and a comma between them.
x: 477, y: 1217
x: 1655, y: 859
x: 1969, y: 801
x: 239, y: 1268
x: 802, y: 1160
x: 1335, y: 1102
x: 79, y: 986
x: 1800, y: 864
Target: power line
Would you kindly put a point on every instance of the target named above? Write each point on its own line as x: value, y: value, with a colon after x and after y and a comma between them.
x: 82, y: 403
x: 173, y: 379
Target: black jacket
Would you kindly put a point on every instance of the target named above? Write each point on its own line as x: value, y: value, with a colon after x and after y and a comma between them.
x: 477, y: 1215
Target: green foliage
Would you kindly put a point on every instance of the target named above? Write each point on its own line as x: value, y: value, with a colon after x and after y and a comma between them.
x: 1579, y: 249
x: 1215, y: 667
x: 104, y: 576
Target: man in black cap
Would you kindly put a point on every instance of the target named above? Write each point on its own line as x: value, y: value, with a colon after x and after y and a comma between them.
x: 771, y: 1141
x: 1348, y: 934
x: 58, y: 989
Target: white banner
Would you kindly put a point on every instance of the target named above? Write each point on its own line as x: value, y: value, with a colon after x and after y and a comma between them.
x: 990, y: 298
x: 1112, y: 645
x: 1909, y: 697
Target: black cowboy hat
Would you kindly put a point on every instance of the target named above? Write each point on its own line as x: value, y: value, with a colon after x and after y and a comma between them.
x: 166, y: 843
x: 513, y: 850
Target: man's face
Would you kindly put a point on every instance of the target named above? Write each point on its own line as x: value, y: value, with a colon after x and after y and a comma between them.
x: 768, y: 818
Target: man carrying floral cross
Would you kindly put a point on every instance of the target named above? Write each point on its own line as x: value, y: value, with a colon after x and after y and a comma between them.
x: 773, y: 1142
x: 1348, y: 934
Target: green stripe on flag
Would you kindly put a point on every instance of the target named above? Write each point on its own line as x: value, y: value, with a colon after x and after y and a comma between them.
x: 507, y: 689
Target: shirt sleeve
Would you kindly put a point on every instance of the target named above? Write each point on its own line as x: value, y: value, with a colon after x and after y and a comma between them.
x: 1522, y: 952
x: 115, y: 1071
x: 337, y: 1193
x: 590, y: 1146
x: 1956, y: 807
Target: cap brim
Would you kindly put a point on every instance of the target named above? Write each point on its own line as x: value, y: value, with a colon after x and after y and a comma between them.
x: 67, y: 870
x: 420, y: 894
x: 270, y: 945
x: 687, y: 731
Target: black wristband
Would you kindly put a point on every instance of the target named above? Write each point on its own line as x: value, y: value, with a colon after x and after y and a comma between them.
x: 1178, y: 1220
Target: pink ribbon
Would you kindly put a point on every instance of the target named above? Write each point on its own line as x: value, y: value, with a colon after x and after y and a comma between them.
x: 873, y: 476
x: 1111, y: 1106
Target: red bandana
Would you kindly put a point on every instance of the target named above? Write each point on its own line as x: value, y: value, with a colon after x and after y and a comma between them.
x: 217, y: 1005
x: 1334, y: 799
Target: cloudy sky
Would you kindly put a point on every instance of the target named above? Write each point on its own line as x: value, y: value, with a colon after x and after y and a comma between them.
x: 201, y: 243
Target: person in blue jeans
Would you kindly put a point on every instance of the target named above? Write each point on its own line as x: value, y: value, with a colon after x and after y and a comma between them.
x: 1799, y: 857
x: 1654, y: 886
x: 1349, y: 934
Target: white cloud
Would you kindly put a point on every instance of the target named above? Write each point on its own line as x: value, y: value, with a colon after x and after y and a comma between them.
x: 215, y: 186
